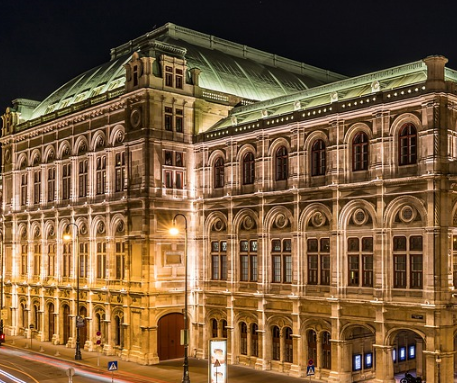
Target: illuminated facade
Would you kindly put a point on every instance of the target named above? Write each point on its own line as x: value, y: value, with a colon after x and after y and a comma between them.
x: 321, y: 210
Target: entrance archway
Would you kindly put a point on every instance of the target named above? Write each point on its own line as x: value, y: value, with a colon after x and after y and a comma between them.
x: 83, y: 330
x: 407, y: 356
x: 169, y: 336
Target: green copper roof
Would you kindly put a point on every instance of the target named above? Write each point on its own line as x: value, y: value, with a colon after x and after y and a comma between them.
x: 225, y: 67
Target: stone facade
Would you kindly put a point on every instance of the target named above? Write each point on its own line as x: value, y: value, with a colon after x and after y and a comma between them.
x: 321, y: 223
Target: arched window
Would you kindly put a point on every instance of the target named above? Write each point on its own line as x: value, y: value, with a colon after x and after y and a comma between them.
x: 276, y: 343
x: 360, y: 152
x: 219, y: 173
x: 281, y: 163
x: 243, y: 338
x: 318, y: 158
x: 254, y: 340
x: 326, y: 351
x: 248, y: 168
x: 407, y: 145
x: 288, y: 346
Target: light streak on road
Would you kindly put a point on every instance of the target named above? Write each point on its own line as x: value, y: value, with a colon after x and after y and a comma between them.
x: 12, y: 377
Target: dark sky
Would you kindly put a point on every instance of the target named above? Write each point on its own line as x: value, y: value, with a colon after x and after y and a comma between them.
x: 45, y: 43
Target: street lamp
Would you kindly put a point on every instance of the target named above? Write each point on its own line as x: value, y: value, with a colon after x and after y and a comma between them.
x: 174, y: 231
x: 67, y: 237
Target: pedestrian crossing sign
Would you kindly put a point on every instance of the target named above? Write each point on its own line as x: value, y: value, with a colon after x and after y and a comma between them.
x: 310, y: 371
x: 112, y: 366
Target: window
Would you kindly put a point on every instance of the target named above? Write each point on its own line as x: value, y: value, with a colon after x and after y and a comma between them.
x: 179, y: 120
x: 254, y: 340
x: 24, y: 189
x: 219, y: 260
x: 219, y: 173
x: 173, y: 178
x: 66, y: 255
x: 120, y: 260
x: 168, y: 119
x: 179, y: 180
x: 243, y: 338
x: 319, y: 261
x: 407, y: 253
x: 214, y: 333
x: 83, y: 259
x: 119, y: 172
x: 52, y: 259
x: 248, y: 261
x: 179, y: 159
x: 168, y: 179
x: 36, y: 187
x: 101, y: 175
x: 168, y: 75
x: 360, y: 262
x: 360, y: 152
x: 276, y: 343
x: 281, y: 164
x: 82, y: 178
x: 312, y: 345
x: 288, y: 346
x: 318, y: 158
x: 101, y: 260
x: 179, y: 78
x: 248, y: 168
x: 66, y: 181
x: 37, y: 260
x: 281, y: 260
x: 24, y: 259
x: 51, y: 184
x: 407, y: 145
x: 326, y: 351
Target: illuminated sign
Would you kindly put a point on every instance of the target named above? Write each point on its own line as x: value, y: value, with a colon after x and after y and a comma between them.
x: 218, y: 361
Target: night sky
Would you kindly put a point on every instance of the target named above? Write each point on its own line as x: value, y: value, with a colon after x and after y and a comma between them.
x: 45, y: 43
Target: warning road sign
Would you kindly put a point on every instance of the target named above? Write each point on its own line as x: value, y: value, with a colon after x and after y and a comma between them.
x: 310, y: 371
x: 112, y: 366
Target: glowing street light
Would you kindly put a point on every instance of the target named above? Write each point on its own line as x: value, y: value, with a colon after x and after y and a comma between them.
x: 174, y: 231
x: 79, y: 322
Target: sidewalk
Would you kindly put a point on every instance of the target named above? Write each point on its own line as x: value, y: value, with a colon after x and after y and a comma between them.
x: 169, y: 371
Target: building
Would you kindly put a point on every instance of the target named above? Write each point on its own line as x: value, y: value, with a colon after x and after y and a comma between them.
x: 320, y: 210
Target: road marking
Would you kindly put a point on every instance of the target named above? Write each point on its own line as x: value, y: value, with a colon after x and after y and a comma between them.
x: 2, y: 372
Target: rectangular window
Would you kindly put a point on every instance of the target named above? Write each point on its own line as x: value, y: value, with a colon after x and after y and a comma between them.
x: 168, y: 76
x: 168, y: 179
x: 248, y: 261
x: 51, y: 184
x: 219, y: 269
x: 82, y: 178
x: 416, y: 271
x: 318, y: 261
x: 24, y: 189
x: 66, y: 264
x: 281, y: 261
x: 51, y: 260
x: 36, y: 187
x: 179, y: 159
x: 168, y: 157
x: 179, y: 121
x: 66, y: 181
x: 360, y: 261
x: 37, y: 261
x: 179, y: 78
x: 400, y: 271
x: 168, y: 119
x: 101, y: 260
x: 24, y: 260
x: 119, y: 172
x: 179, y: 180
x: 83, y: 259
x: 120, y: 260
x: 101, y: 175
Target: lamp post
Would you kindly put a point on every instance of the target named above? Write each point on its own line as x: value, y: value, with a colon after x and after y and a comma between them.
x: 78, y: 321
x: 174, y: 231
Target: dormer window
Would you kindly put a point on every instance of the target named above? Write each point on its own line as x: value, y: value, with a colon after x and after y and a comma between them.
x: 168, y: 76
x: 174, y: 77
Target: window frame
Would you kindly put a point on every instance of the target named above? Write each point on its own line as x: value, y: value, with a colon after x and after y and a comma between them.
x: 281, y: 163
x: 248, y: 168
x: 219, y: 172
x: 360, y: 147
x: 407, y: 145
x: 318, y: 158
